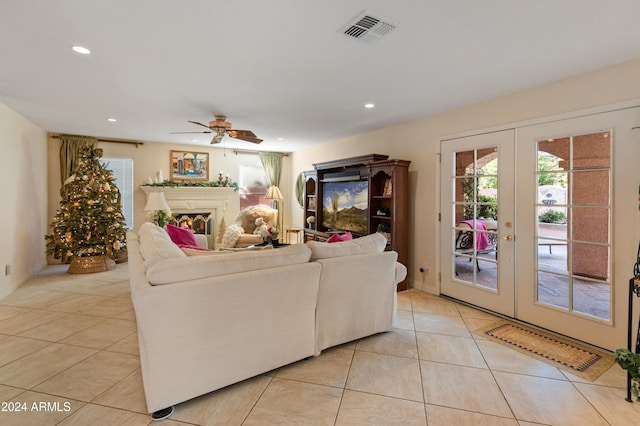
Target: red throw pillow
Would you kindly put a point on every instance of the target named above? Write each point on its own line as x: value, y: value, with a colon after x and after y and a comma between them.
x: 336, y: 238
x: 181, y: 236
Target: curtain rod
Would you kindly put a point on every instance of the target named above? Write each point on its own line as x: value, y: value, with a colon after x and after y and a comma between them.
x: 246, y: 151
x: 125, y: 141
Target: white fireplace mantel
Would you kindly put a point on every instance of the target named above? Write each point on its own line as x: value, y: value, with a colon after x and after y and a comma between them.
x: 221, y: 203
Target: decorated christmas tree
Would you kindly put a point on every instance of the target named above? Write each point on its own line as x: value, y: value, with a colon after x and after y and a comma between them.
x: 89, y: 224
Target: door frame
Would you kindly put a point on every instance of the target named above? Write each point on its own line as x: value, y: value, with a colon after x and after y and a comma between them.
x: 625, y: 243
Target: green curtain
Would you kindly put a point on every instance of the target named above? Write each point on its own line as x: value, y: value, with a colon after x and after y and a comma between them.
x: 272, y: 164
x: 70, y: 149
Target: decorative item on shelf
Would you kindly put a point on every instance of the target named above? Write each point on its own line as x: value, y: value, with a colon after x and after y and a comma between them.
x: 385, y: 230
x: 311, y: 220
x: 160, y: 210
x: 383, y: 211
x: 223, y: 181
x: 189, y: 183
x: 388, y: 188
x: 312, y: 202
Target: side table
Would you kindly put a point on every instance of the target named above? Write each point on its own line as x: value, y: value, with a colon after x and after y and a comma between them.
x: 298, y: 233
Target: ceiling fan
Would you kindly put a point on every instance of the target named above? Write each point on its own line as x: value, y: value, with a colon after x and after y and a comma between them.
x: 221, y: 126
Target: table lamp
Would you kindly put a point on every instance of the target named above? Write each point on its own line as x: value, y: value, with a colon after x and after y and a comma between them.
x: 157, y: 204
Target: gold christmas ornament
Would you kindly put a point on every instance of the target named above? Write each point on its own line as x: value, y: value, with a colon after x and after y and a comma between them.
x: 68, y: 236
x: 90, y: 202
x: 106, y: 186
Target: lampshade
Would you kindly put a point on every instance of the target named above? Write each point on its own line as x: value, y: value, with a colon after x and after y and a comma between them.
x: 273, y: 193
x: 156, y: 202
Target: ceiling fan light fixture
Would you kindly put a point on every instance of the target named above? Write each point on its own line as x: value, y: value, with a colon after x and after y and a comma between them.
x: 223, y: 124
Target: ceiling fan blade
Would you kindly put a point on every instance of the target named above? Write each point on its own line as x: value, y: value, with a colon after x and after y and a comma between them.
x: 199, y: 124
x: 184, y: 133
x: 245, y: 135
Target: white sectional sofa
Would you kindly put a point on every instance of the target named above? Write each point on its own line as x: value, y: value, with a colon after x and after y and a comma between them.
x: 208, y: 321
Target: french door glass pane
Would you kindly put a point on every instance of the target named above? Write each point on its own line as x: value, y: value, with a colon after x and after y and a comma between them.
x: 475, y: 207
x: 591, y: 188
x: 573, y: 232
x: 553, y: 289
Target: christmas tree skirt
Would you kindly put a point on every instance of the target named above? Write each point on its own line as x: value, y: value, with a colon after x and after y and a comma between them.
x: 91, y: 264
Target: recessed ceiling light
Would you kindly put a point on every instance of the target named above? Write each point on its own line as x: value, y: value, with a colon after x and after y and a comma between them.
x: 194, y: 140
x: 369, y: 105
x: 113, y: 120
x: 280, y: 139
x: 80, y: 49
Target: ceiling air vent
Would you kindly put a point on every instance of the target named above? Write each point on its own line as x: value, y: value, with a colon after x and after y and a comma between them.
x: 367, y: 28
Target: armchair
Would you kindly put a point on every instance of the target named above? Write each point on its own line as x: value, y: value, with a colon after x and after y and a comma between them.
x: 240, y: 233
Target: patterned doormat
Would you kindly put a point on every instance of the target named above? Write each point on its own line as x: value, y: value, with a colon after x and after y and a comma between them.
x: 561, y: 353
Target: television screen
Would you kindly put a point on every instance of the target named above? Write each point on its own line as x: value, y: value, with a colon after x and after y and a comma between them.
x: 345, y: 206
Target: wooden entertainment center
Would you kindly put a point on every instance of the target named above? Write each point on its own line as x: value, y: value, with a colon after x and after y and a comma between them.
x: 384, y: 208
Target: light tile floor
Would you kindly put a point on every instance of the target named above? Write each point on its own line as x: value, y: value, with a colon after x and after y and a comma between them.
x: 69, y: 356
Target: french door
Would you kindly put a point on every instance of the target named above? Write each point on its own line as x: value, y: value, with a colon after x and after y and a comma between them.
x: 477, y: 220
x: 557, y: 203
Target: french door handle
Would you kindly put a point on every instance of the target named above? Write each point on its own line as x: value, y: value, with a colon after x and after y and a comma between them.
x: 508, y: 237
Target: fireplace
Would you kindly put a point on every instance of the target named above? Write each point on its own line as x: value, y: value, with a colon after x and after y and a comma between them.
x: 206, y: 210
x: 200, y: 223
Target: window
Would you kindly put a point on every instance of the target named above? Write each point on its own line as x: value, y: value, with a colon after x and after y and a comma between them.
x: 252, y: 185
x: 122, y: 169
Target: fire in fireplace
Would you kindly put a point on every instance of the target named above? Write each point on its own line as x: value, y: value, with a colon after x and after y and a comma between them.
x: 200, y: 223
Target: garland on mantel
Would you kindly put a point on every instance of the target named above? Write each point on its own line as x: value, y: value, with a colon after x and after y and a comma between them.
x: 202, y: 184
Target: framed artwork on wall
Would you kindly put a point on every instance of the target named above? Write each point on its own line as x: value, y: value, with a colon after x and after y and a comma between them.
x: 189, y: 165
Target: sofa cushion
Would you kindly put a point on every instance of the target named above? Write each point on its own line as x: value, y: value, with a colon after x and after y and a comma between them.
x: 156, y: 245
x: 198, y: 267
x: 196, y: 250
x: 181, y: 236
x: 368, y: 244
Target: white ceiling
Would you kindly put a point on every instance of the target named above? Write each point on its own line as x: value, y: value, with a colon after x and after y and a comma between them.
x: 282, y: 68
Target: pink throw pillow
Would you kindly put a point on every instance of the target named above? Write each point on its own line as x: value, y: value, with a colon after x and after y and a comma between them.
x: 336, y: 238
x: 181, y: 236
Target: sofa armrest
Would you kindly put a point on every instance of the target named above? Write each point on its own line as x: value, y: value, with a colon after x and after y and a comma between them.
x: 356, y: 298
x: 247, y: 240
x: 401, y: 272
x: 201, y: 239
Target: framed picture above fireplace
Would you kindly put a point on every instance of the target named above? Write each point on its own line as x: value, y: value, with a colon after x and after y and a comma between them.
x: 189, y: 165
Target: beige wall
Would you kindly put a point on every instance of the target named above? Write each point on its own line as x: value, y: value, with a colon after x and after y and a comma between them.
x: 24, y: 198
x: 418, y: 141
x: 148, y: 159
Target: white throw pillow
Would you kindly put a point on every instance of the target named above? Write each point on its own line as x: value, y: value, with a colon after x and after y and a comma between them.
x: 156, y: 245
x: 231, y: 236
x: 368, y: 244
